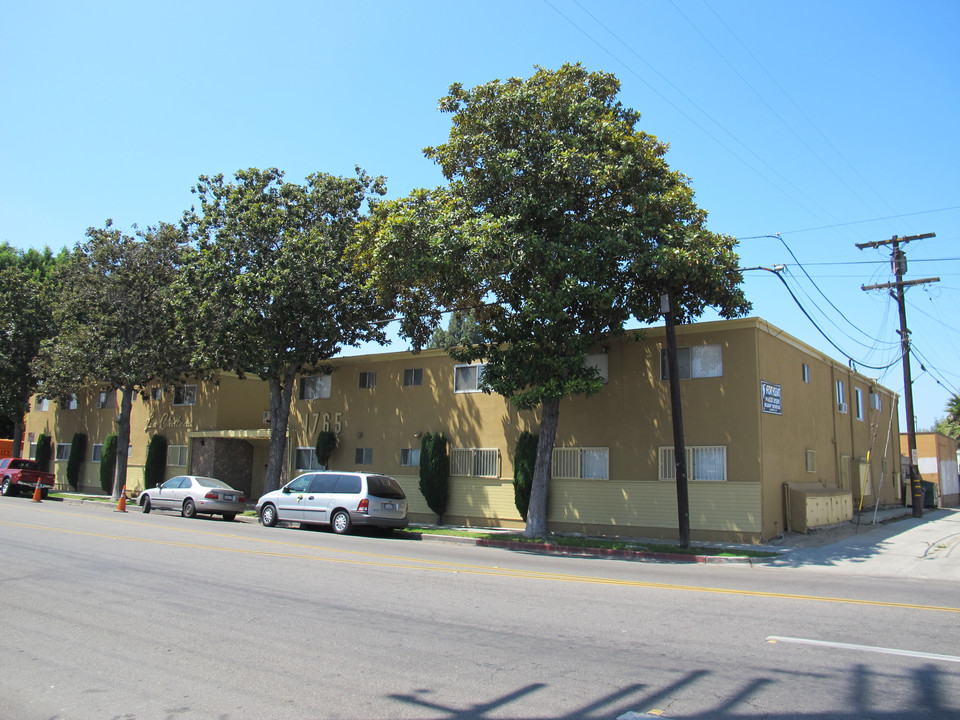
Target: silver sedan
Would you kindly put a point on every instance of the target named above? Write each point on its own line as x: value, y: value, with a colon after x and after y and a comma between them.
x: 194, y: 495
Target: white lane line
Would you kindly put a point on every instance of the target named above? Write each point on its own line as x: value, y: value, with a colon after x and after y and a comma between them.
x: 864, y: 648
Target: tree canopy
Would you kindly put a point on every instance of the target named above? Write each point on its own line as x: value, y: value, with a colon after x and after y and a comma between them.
x: 559, y: 223
x: 116, y: 321
x: 275, y: 290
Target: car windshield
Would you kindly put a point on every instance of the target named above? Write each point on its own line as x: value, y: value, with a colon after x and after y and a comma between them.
x: 212, y: 483
x: 385, y: 487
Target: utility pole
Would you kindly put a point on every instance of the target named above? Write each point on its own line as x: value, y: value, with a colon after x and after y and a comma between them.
x: 899, y: 261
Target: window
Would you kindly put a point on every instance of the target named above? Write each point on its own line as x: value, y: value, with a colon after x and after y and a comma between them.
x: 858, y: 398
x: 467, y: 378
x: 96, y: 454
x: 704, y: 463
x: 806, y: 373
x: 475, y: 462
x: 811, y: 461
x: 177, y: 455
x: 107, y: 399
x: 580, y: 463
x: 185, y: 395
x: 410, y: 457
x: 363, y: 456
x: 841, y: 397
x: 412, y: 376
x: 33, y: 451
x: 305, y: 458
x: 875, y: 401
x: 600, y: 363
x: 42, y: 404
x: 694, y: 362
x: 368, y: 380
x: 63, y: 452
x: 156, y: 393
x: 71, y: 403
x: 315, y: 387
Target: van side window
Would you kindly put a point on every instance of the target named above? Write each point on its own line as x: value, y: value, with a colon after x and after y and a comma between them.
x: 323, y: 483
x: 349, y: 484
x: 301, y: 483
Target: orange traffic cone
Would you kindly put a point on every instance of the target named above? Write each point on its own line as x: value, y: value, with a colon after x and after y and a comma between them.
x: 37, y: 493
x: 122, y: 503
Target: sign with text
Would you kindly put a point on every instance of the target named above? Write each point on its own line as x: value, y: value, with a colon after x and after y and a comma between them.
x: 770, y: 398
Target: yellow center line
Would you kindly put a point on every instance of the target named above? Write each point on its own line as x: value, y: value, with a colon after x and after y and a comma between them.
x: 402, y: 563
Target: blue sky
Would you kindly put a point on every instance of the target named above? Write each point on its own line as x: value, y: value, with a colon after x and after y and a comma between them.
x: 829, y: 122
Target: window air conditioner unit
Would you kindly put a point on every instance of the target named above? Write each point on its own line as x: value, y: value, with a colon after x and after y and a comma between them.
x: 841, y: 407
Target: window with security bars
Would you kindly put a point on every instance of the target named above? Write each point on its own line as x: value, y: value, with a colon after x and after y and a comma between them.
x: 580, y: 464
x: 475, y: 462
x: 305, y: 458
x: 177, y: 455
x: 704, y: 463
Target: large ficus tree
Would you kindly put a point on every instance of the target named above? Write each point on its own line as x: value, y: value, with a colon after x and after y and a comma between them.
x: 559, y: 223
x: 116, y: 320
x: 276, y: 292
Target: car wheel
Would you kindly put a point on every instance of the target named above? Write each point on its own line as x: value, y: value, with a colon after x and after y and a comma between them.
x: 8, y: 490
x: 229, y: 517
x: 268, y: 515
x: 189, y: 509
x: 145, y: 503
x: 341, y: 522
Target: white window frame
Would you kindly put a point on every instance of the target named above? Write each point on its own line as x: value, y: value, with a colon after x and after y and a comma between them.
x: 63, y: 452
x: 410, y: 457
x: 695, y: 361
x: 305, y: 458
x: 315, y: 387
x: 472, y: 373
x: 810, y: 461
x: 580, y: 463
x: 475, y: 462
x: 698, y: 459
x: 858, y: 399
x: 806, y: 373
x: 412, y: 377
x: 368, y: 380
x: 177, y: 455
x: 841, y: 397
x: 363, y: 456
x: 43, y: 404
x: 184, y: 395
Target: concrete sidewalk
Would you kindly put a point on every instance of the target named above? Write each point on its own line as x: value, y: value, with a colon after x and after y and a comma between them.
x: 925, y: 548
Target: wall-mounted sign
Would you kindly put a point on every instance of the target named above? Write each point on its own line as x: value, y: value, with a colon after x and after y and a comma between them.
x: 770, y: 398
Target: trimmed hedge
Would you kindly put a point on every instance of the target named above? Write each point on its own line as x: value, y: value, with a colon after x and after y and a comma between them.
x: 78, y: 448
x: 43, y: 451
x: 435, y: 473
x: 108, y: 463
x: 524, y: 460
x: 326, y: 444
x: 155, y: 465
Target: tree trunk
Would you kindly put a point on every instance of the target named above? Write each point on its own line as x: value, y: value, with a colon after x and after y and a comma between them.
x: 679, y: 446
x: 18, y: 437
x: 123, y: 441
x: 540, y: 488
x: 281, y: 391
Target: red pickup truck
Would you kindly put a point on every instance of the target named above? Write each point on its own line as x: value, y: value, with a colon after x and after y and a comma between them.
x: 22, y: 475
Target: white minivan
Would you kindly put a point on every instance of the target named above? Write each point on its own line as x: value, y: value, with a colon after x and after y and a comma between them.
x: 338, y: 499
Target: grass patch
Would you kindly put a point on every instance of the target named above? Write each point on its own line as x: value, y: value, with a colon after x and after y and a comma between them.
x: 586, y: 542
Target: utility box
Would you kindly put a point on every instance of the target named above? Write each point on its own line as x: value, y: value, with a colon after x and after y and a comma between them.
x: 811, y: 505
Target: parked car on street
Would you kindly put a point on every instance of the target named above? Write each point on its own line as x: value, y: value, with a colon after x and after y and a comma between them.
x: 194, y: 495
x: 338, y: 499
x: 21, y: 475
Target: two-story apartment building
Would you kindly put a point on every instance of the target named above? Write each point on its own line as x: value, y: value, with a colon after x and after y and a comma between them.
x: 760, y: 408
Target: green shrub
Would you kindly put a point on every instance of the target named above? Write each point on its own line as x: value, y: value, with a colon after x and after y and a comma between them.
x: 43, y: 451
x: 155, y: 465
x: 78, y: 448
x: 108, y: 463
x: 524, y: 460
x: 326, y: 444
x: 435, y: 472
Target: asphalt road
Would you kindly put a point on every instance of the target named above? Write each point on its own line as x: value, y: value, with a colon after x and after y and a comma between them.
x: 110, y: 615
